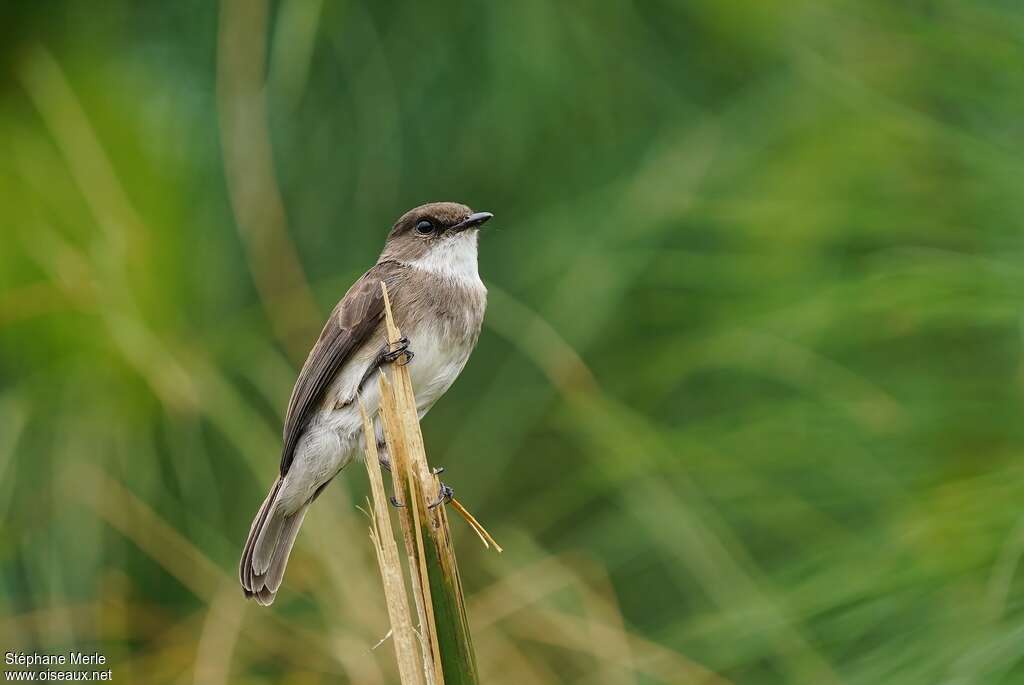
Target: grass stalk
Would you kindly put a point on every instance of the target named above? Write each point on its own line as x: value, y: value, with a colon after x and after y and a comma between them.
x: 383, y: 538
x: 448, y: 654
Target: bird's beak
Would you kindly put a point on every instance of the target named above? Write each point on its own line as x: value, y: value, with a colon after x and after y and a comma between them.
x: 474, y: 220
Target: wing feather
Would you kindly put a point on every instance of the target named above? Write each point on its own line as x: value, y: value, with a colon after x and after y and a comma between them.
x: 353, y: 320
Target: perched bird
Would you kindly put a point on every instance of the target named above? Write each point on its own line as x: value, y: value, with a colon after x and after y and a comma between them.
x: 429, y: 264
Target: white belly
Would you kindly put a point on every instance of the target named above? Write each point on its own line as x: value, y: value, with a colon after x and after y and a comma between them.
x: 438, y: 360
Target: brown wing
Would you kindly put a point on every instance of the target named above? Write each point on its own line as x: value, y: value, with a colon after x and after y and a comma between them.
x: 351, y: 322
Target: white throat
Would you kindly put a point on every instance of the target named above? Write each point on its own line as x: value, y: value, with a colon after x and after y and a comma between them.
x: 453, y: 258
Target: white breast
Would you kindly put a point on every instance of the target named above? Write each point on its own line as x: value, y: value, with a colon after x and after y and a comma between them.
x: 440, y: 355
x: 454, y: 258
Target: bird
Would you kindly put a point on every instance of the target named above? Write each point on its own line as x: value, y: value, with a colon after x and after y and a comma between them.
x: 429, y: 264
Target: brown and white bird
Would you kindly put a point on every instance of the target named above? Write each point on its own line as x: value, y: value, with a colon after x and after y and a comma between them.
x: 429, y: 264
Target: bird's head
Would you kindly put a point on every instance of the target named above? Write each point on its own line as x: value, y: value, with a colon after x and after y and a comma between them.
x: 434, y: 231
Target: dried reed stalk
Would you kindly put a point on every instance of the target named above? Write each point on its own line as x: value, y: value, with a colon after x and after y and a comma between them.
x: 383, y: 538
x: 446, y: 644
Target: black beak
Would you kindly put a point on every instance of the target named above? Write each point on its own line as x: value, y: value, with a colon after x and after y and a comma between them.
x: 473, y: 221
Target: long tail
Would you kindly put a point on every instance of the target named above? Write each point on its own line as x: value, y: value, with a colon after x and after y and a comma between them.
x: 266, y: 551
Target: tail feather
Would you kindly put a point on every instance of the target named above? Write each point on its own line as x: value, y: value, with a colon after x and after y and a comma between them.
x: 267, y: 548
x: 275, y: 572
x: 245, y: 566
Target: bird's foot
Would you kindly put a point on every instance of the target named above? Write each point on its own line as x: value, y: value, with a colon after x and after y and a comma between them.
x: 394, y: 354
x: 395, y: 503
x: 445, y: 495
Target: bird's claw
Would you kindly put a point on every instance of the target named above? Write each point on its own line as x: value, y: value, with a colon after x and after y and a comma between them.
x: 395, y: 503
x: 401, y: 348
x: 445, y: 495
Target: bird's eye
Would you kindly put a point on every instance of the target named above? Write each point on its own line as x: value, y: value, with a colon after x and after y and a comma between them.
x: 424, y: 227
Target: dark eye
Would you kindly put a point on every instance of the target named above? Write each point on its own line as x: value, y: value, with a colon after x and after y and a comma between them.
x: 424, y: 227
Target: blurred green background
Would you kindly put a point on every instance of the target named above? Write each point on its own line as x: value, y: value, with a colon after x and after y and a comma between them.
x: 747, y: 405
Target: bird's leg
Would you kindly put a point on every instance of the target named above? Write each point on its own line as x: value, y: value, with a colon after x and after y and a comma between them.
x: 382, y: 456
x: 385, y: 463
x: 445, y: 494
x: 389, y: 355
x: 386, y: 356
